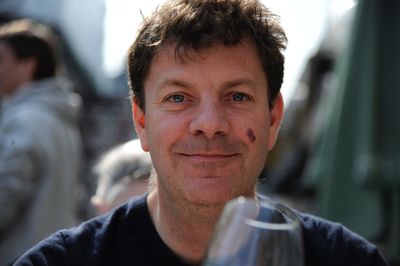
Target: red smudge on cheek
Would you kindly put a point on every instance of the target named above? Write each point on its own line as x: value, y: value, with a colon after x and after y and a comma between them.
x: 250, y: 135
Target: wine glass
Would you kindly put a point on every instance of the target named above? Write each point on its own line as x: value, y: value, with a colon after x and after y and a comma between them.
x: 254, y: 232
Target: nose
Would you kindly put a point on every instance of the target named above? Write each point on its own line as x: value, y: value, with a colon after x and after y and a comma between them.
x: 210, y: 121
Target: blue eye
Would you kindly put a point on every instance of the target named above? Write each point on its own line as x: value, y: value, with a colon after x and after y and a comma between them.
x: 177, y: 98
x: 239, y: 97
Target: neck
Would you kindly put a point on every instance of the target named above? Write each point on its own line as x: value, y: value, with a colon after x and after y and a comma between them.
x: 186, y: 228
x: 13, y: 91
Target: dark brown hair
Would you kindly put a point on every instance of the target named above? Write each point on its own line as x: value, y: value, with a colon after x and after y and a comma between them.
x: 196, y: 24
x: 29, y: 39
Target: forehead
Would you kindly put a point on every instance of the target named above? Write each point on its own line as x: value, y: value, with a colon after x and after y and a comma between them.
x: 217, y: 62
x: 170, y: 51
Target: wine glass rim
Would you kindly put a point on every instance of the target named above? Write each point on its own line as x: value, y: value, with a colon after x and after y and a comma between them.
x: 290, y: 223
x: 272, y: 226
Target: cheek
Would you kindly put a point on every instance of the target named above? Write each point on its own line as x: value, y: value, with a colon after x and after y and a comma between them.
x: 163, y: 130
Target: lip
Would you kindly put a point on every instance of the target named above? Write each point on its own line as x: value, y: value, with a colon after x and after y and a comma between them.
x: 208, y: 156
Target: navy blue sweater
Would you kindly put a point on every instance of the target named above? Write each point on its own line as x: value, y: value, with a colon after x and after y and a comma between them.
x: 127, y: 236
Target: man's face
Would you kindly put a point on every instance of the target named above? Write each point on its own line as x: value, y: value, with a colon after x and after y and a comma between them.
x: 207, y: 123
x: 13, y: 72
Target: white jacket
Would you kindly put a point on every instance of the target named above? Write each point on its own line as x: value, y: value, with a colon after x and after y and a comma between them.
x: 40, y: 156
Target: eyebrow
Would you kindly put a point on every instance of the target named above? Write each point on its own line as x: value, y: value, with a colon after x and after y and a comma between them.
x: 239, y: 82
x: 226, y: 85
x: 175, y: 83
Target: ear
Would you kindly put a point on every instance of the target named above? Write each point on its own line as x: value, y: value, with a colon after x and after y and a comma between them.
x: 140, y: 125
x: 99, y: 204
x: 276, y: 116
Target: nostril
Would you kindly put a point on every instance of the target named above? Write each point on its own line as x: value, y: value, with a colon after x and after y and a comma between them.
x: 209, y: 121
x: 209, y: 132
x: 198, y: 132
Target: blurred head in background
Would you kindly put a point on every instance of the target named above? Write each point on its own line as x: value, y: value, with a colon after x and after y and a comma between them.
x: 123, y: 172
x: 27, y: 53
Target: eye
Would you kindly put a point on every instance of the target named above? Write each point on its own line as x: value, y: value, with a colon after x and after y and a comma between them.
x: 176, y: 98
x: 240, y: 97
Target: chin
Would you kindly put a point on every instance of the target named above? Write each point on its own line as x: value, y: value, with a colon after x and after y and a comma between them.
x: 215, y: 195
x: 208, y: 199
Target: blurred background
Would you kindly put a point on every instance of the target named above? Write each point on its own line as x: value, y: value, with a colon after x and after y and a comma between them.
x: 338, y: 154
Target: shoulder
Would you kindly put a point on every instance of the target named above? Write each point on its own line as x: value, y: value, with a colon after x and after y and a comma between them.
x: 329, y: 243
x: 21, y: 118
x: 85, y: 244
x: 20, y: 131
x: 16, y: 131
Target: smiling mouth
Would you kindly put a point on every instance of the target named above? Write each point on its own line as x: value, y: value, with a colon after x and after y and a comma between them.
x: 209, y: 164
x: 207, y: 156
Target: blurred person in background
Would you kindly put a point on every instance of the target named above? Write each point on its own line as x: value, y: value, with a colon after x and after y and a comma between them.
x: 40, y: 142
x: 122, y: 173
